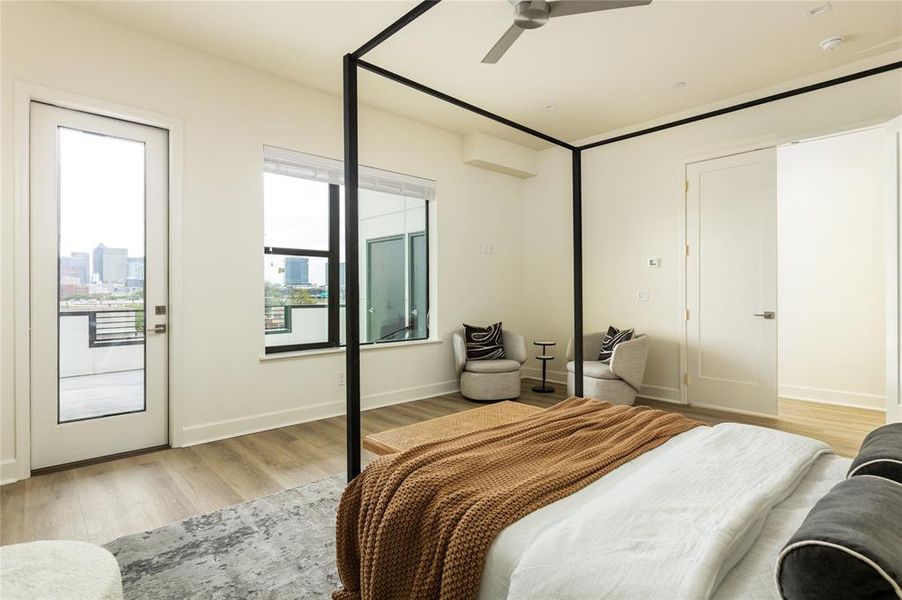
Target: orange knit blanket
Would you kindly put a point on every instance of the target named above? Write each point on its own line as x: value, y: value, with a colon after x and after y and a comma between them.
x: 418, y: 524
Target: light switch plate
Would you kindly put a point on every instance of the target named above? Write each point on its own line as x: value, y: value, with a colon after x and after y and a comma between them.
x: 642, y: 295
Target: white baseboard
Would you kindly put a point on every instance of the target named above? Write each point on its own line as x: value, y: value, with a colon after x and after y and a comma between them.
x: 840, y: 397
x: 650, y: 392
x: 9, y: 471
x: 559, y: 377
x: 661, y: 393
x: 218, y: 430
x: 727, y: 410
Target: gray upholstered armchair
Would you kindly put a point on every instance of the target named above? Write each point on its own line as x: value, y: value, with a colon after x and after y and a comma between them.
x: 618, y: 382
x: 488, y: 380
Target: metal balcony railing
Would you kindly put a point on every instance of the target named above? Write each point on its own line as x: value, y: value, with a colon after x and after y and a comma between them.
x: 112, y: 327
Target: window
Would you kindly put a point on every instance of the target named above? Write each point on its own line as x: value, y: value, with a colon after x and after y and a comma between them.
x: 303, y: 253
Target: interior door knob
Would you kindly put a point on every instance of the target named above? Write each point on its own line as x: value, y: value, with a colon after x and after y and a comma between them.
x: 768, y: 314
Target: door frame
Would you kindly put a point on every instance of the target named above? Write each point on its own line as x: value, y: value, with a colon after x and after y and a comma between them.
x: 25, y: 92
x: 892, y: 232
x: 410, y: 271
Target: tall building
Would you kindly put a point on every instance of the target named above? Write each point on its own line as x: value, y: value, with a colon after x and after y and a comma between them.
x: 135, y: 277
x: 111, y: 264
x: 76, y: 268
x: 297, y: 270
x: 84, y: 266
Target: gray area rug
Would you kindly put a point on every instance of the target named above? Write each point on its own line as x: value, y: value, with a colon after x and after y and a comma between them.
x: 278, y: 547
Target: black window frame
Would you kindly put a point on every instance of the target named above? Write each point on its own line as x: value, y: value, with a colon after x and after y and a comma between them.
x: 333, y: 258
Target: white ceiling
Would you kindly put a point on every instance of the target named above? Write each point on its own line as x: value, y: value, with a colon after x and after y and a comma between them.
x: 602, y: 71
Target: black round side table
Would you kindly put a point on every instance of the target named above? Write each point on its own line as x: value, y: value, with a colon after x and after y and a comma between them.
x: 544, y: 357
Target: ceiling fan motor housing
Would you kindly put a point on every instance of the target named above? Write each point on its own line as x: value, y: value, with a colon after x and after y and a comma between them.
x: 531, y: 14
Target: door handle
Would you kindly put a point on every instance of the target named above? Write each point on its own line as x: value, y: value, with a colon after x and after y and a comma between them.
x: 158, y: 328
x: 768, y: 314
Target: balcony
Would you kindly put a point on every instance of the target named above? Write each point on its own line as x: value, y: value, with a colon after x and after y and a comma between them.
x: 292, y: 324
x: 101, y: 363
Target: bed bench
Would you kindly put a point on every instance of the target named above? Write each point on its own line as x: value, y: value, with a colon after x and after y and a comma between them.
x: 402, y: 438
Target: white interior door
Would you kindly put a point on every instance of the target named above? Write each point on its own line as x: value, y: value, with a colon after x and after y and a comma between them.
x: 98, y: 207
x: 893, y: 263
x: 731, y: 276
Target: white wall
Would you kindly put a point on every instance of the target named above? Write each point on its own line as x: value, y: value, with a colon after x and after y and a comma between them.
x: 548, y: 261
x: 633, y: 208
x: 229, y: 113
x: 832, y: 338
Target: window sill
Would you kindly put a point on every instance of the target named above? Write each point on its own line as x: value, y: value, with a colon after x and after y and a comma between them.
x: 366, y: 348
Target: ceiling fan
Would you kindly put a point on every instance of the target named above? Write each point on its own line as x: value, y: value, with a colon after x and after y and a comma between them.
x: 532, y: 14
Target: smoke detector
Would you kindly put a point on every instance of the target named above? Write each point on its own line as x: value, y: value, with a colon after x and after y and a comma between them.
x: 831, y: 43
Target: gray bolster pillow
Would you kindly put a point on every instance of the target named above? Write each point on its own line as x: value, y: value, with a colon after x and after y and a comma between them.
x: 880, y: 454
x: 849, y: 546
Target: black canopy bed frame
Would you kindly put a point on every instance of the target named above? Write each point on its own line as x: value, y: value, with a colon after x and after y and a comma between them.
x: 354, y: 61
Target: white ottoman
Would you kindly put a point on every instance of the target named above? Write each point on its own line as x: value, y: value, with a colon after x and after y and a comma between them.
x: 58, y: 569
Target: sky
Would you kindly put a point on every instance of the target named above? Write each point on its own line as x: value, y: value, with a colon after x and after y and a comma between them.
x: 289, y: 220
x: 101, y: 193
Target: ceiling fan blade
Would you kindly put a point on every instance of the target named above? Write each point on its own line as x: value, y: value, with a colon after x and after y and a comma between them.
x: 563, y: 8
x: 507, y: 40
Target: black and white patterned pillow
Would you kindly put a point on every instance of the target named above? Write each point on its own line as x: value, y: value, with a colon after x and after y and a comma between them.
x: 484, y: 343
x: 613, y: 337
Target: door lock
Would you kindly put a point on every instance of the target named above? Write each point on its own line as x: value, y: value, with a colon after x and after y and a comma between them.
x: 158, y: 328
x: 768, y: 314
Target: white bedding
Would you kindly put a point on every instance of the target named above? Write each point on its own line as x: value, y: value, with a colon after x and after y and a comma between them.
x: 753, y: 577
x: 669, y: 524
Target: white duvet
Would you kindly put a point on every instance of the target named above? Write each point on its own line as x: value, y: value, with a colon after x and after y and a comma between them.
x: 669, y: 524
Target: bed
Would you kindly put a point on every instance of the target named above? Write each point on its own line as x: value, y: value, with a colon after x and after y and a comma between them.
x: 699, y: 512
x: 747, y: 572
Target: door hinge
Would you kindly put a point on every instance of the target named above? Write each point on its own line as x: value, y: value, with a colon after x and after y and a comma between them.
x: 686, y: 378
x: 686, y: 186
x: 687, y: 249
x: 687, y: 314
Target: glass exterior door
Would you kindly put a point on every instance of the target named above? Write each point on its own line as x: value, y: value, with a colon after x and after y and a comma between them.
x: 98, y: 271
x: 386, y: 304
x: 419, y: 274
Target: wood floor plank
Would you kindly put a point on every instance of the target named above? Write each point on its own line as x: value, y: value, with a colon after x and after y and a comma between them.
x: 13, y: 526
x: 100, y: 502
x: 204, y: 485
x: 243, y: 476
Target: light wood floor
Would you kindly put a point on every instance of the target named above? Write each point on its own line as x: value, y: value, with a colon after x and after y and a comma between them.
x: 101, y: 502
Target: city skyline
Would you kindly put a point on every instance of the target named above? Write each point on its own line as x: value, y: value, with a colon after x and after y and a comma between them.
x: 103, y: 271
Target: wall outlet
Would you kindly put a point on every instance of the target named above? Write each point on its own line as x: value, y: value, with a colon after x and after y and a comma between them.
x: 341, y: 379
x: 642, y: 295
